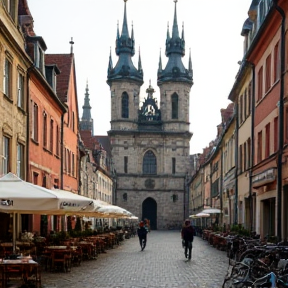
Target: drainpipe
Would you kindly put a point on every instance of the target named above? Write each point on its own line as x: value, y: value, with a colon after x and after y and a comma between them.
x: 252, y: 146
x: 61, y: 152
x: 281, y: 124
x: 236, y: 169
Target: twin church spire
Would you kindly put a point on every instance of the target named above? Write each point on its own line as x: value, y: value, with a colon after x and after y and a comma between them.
x: 175, y: 50
x: 125, y: 49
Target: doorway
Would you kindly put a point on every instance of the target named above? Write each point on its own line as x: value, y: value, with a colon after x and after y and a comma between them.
x: 149, y: 211
x: 268, y: 217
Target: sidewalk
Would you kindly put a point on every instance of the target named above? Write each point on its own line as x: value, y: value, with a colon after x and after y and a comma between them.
x: 161, y: 264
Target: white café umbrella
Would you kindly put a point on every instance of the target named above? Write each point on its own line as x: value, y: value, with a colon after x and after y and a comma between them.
x: 113, y: 211
x: 23, y: 197
x: 212, y: 211
x: 18, y: 196
x: 200, y: 215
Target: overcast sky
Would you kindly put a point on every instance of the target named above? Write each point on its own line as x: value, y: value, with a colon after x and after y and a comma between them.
x: 212, y: 32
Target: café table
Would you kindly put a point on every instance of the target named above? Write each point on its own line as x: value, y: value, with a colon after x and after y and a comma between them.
x: 23, y: 270
x: 58, y: 257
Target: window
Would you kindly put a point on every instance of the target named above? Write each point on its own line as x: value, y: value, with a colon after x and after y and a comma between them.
x: 249, y: 98
x: 20, y: 90
x: 20, y: 161
x: 276, y: 62
x: 57, y: 140
x: 241, y: 158
x: 73, y: 164
x: 51, y: 134
x: 125, y: 105
x: 267, y: 140
x: 40, y: 59
x: 45, y: 130
x: 245, y: 157
x: 268, y: 74
x: 68, y: 161
x: 259, y: 148
x: 7, y: 78
x: 149, y: 163
x: 10, y: 7
x: 248, y: 153
x: 173, y: 165
x: 260, y: 84
x: 276, y: 133
x: 35, y: 178
x: 125, y: 164
x: 6, y: 155
x: 65, y: 160
x: 35, y: 123
x: 125, y: 197
x: 245, y: 104
x: 174, y: 101
x: 73, y: 121
x: 241, y: 109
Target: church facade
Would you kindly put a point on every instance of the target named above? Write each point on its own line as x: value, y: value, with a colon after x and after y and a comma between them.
x: 150, y: 141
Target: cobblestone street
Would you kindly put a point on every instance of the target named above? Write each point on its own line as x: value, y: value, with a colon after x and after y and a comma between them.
x: 161, y: 264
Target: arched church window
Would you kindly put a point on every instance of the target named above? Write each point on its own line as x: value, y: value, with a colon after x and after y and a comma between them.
x: 149, y: 163
x: 125, y: 105
x: 174, y: 102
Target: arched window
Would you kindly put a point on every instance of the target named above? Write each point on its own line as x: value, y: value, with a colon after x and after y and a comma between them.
x: 149, y: 163
x: 125, y: 105
x: 174, y: 101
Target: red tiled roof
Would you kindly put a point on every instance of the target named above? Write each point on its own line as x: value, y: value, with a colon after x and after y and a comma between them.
x: 64, y: 63
x: 90, y: 142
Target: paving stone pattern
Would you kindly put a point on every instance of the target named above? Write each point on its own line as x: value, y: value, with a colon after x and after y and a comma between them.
x: 161, y: 265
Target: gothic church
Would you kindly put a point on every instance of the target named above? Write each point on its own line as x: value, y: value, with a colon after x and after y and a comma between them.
x: 150, y: 142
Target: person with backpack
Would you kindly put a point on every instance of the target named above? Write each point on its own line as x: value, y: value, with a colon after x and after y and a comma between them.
x: 187, y: 235
x: 142, y: 234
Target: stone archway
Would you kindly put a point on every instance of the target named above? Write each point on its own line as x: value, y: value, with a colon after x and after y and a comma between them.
x: 149, y: 211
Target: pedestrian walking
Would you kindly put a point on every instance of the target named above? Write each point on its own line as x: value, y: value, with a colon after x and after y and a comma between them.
x: 187, y: 235
x: 142, y: 234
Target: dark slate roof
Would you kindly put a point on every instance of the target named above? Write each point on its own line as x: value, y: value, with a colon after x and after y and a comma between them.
x: 65, y: 64
x: 105, y: 142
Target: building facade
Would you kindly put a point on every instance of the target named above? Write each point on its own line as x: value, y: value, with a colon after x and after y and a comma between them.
x: 150, y: 142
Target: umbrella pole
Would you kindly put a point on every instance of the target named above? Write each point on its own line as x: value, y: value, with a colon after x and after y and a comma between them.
x: 14, y: 233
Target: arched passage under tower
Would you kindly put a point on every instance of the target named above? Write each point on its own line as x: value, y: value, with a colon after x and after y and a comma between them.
x: 149, y: 211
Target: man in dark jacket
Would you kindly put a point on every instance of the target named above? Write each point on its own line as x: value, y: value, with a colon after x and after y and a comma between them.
x: 187, y: 234
x: 142, y: 234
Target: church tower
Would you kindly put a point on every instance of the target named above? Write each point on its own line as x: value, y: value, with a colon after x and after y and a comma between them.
x: 124, y: 81
x: 86, y: 122
x: 150, y: 142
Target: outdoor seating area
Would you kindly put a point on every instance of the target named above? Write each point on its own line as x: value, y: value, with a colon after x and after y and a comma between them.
x: 25, y: 266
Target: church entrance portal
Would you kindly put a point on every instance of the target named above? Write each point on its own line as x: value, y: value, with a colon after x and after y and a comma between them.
x: 149, y: 211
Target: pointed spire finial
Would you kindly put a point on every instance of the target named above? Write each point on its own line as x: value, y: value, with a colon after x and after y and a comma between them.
x: 140, y: 63
x: 124, y: 25
x: 175, y: 31
x: 71, y: 48
x: 160, y: 63
x: 132, y: 32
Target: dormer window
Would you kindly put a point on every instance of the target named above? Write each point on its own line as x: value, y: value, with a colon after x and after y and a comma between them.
x: 51, y: 72
x: 39, y: 59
